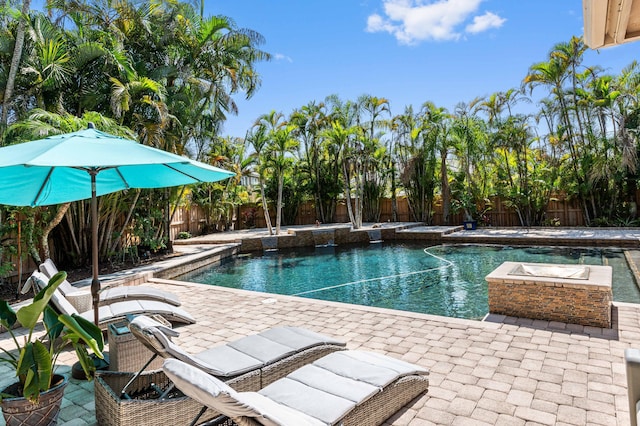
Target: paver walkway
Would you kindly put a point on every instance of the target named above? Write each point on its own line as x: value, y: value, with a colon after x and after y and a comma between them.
x: 510, y: 372
x: 504, y: 371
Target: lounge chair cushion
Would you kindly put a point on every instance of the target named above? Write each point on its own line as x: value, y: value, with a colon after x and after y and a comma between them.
x: 334, y: 384
x: 63, y: 305
x: 369, y: 367
x: 49, y: 269
x: 108, y: 313
x: 115, y: 310
x: 108, y: 294
x: 40, y: 281
x: 241, y: 356
x: 258, y: 350
x: 324, y: 392
x: 123, y: 292
x: 216, y: 394
x: 145, y: 322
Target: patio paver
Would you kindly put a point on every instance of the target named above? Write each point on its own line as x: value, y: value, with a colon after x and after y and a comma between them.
x: 481, y: 372
x: 503, y: 371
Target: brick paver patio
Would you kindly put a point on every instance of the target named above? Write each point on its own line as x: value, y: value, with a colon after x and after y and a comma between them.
x: 503, y: 371
x: 508, y: 372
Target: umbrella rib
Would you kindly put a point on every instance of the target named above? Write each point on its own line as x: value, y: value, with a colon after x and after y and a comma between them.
x: 122, y: 177
x: 35, y: 200
x: 181, y: 172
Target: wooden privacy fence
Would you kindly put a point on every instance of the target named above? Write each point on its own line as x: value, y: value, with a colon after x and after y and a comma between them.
x: 560, y: 212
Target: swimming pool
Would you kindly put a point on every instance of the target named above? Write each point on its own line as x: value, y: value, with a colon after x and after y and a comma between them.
x: 443, y: 280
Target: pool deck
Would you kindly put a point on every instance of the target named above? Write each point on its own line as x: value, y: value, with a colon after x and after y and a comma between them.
x: 503, y: 371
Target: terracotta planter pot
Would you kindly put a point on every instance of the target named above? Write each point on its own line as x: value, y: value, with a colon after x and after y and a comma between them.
x: 20, y: 412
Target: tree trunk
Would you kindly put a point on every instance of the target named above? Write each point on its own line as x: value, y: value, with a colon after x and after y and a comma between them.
x: 44, y: 239
x: 446, y: 196
x: 13, y: 70
x: 279, y: 204
x: 394, y: 199
x: 127, y: 220
x: 265, y: 208
x: 347, y: 195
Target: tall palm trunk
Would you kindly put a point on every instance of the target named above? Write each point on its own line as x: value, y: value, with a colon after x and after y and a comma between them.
x: 265, y: 208
x: 347, y: 194
x: 444, y: 184
x: 394, y: 199
x: 13, y: 70
x: 279, y: 203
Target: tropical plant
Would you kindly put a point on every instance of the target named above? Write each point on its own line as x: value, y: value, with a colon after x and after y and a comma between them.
x: 279, y: 161
x: 36, y: 356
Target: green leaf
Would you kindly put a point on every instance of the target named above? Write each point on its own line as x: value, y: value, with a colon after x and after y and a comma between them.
x: 7, y: 315
x: 82, y: 329
x: 35, y: 365
x: 29, y: 315
x: 52, y: 323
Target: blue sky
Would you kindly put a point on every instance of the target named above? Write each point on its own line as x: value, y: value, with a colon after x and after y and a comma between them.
x: 407, y: 51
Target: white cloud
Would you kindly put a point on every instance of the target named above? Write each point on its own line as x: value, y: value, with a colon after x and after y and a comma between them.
x: 281, y: 57
x: 412, y: 21
x: 483, y: 23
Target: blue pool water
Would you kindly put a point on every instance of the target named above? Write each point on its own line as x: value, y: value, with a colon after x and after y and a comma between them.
x: 443, y: 280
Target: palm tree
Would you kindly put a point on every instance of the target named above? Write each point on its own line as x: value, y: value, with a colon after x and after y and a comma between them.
x: 563, y: 62
x: 310, y: 120
x: 258, y: 139
x: 13, y: 69
x: 279, y: 161
x: 371, y: 120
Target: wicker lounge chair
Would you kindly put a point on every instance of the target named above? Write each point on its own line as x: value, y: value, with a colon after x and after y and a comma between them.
x: 117, y: 311
x: 345, y: 388
x: 247, y: 364
x: 274, y: 353
x: 81, y: 299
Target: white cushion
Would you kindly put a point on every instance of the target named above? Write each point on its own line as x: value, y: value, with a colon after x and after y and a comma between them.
x: 321, y: 405
x: 216, y: 394
x: 112, y: 294
x: 49, y: 269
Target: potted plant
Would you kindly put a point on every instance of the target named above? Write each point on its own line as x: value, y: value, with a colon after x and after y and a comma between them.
x: 32, y: 399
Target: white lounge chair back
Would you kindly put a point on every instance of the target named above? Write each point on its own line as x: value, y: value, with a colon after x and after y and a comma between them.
x: 157, y: 338
x: 40, y: 281
x: 245, y: 408
x: 49, y: 269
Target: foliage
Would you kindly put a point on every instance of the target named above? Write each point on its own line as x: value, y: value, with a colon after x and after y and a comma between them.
x: 169, y: 76
x: 36, y: 358
x: 249, y: 217
x: 183, y: 235
x: 145, y: 231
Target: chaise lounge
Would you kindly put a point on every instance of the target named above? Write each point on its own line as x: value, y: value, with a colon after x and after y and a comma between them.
x: 246, y: 364
x: 116, y: 311
x: 272, y: 354
x: 343, y: 388
x: 81, y: 298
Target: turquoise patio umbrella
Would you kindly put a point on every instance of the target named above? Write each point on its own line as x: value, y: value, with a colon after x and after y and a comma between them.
x: 87, y: 164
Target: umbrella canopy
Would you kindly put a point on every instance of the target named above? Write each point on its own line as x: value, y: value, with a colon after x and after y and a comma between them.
x: 86, y: 164
x: 58, y: 169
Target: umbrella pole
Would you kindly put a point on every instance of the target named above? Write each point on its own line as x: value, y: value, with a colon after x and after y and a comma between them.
x: 95, y: 282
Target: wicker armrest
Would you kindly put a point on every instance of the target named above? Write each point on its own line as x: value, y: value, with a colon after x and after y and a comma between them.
x: 80, y: 300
